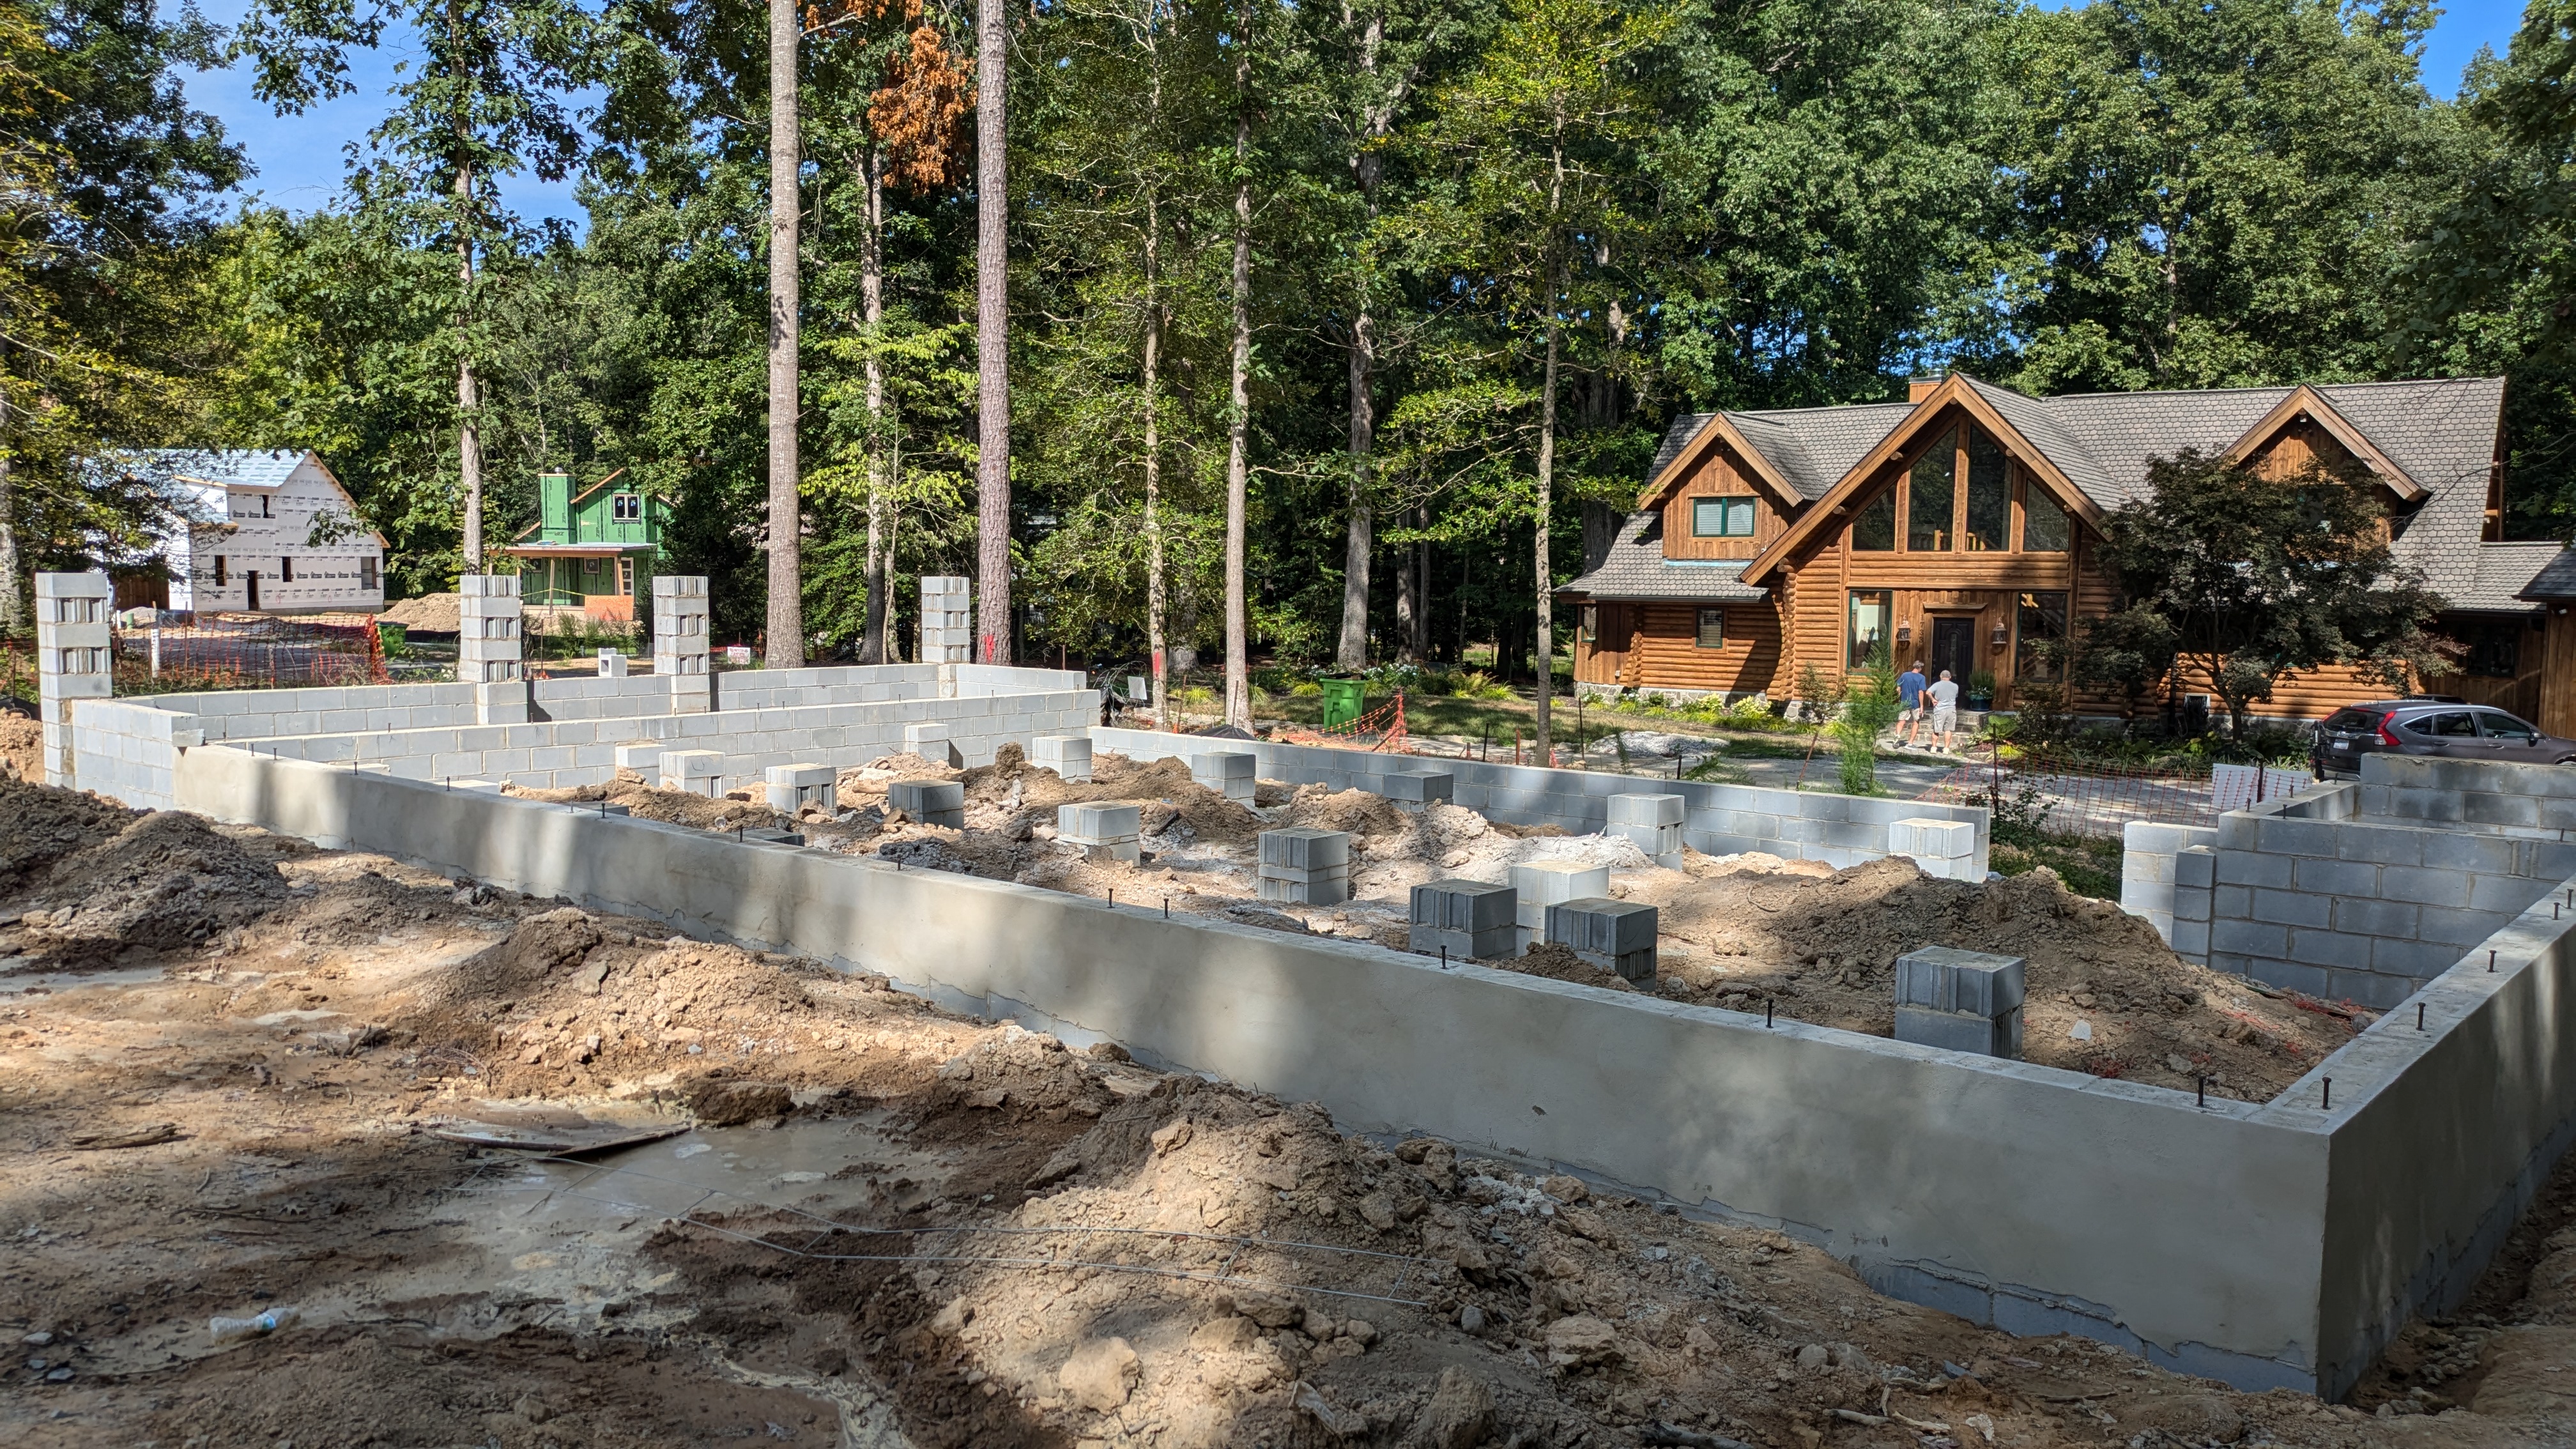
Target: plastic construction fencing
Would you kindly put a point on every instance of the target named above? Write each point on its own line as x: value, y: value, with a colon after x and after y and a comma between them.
x: 249, y: 651
x: 2066, y: 795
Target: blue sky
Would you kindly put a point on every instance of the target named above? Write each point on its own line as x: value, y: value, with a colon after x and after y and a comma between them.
x: 301, y: 158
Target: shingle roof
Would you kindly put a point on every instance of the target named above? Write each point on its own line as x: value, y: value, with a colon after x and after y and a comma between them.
x: 2504, y: 570
x: 1637, y: 569
x: 2441, y: 431
x: 2556, y: 579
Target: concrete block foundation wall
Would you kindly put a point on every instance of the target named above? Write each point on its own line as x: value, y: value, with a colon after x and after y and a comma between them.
x: 2359, y: 891
x: 840, y: 716
x: 2267, y: 1244
x: 1840, y: 830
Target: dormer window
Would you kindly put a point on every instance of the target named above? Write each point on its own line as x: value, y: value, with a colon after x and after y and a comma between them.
x: 626, y: 507
x: 1721, y: 518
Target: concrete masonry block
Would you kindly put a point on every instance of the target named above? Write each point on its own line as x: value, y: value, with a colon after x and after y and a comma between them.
x: 2191, y: 939
x: 696, y: 771
x: 2337, y: 877
x: 2239, y: 831
x: 2377, y: 990
x: 1306, y: 848
x: 1093, y: 822
x: 1321, y: 889
x: 2376, y: 918
x: 1539, y: 884
x: 2505, y: 894
x: 2273, y: 971
x: 2147, y: 898
x: 1414, y: 789
x: 1961, y: 1031
x: 932, y: 802
x: 1944, y: 978
x: 2146, y: 836
x: 2501, y: 810
x: 2195, y: 867
x: 1617, y: 936
x: 2248, y: 938
x: 1651, y: 810
x: 1460, y: 945
x: 792, y: 787
x: 2139, y: 869
x: 1464, y: 905
x: 2382, y: 845
x: 1068, y: 755
x: 2328, y: 948
x: 2424, y: 885
x: 1926, y: 839
x: 2456, y: 927
x: 2292, y: 908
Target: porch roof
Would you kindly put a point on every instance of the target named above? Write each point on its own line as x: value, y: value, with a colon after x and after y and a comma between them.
x: 1637, y: 569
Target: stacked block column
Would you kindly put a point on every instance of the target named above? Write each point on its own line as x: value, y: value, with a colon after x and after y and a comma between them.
x: 680, y: 642
x: 1966, y: 1001
x: 73, y: 661
x: 1544, y: 883
x: 1100, y: 831
x: 1653, y: 823
x: 488, y: 647
x: 1462, y: 919
x: 947, y: 624
x: 1617, y: 936
x: 1305, y: 866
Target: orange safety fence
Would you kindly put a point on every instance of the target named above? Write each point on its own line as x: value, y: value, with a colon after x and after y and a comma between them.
x: 1380, y: 731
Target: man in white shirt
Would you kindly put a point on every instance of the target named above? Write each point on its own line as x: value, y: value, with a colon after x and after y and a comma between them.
x: 1944, y: 694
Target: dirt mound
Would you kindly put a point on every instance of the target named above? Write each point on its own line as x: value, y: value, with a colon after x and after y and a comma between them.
x: 675, y: 807
x: 430, y: 613
x: 22, y: 747
x: 2106, y: 995
x: 1559, y: 963
x: 1366, y: 816
x: 166, y: 880
x: 40, y: 824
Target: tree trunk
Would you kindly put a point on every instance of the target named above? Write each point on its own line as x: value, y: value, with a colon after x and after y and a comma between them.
x: 1238, y: 666
x: 992, y: 336
x: 876, y: 631
x: 469, y: 436
x: 786, y: 631
x: 1154, y: 584
x: 1546, y: 632
x: 1408, y: 609
x: 13, y: 600
x: 1421, y: 636
x: 1356, y: 547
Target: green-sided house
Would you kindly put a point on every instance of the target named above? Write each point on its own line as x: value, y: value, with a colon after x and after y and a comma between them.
x: 596, y: 550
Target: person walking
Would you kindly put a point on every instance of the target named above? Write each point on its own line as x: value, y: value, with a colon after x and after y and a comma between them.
x: 1909, y: 701
x: 1944, y: 694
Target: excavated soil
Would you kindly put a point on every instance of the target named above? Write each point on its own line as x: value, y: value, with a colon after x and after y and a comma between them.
x: 2106, y: 996
x: 22, y: 747
x: 881, y: 1224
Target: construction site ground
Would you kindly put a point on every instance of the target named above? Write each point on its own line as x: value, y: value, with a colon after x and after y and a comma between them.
x: 1750, y: 933
x: 227, y: 1060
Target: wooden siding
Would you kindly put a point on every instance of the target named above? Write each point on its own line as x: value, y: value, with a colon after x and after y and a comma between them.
x: 1719, y: 475
x: 2558, y: 674
x: 1668, y: 653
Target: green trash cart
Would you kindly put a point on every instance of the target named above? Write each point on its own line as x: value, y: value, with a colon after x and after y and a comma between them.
x: 1342, y: 700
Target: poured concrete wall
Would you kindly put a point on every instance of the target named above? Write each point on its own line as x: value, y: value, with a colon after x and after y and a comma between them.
x: 2262, y: 1243
x: 1840, y: 830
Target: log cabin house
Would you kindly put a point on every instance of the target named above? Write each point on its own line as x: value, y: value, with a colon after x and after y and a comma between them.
x: 1963, y: 525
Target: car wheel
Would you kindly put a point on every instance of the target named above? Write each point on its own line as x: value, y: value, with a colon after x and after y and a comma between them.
x: 2565, y: 760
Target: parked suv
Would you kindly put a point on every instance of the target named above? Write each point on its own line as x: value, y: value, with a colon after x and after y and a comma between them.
x: 2431, y: 725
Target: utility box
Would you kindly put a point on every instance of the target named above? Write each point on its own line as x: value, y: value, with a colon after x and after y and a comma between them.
x: 1465, y: 918
x: 1966, y: 1001
x: 1617, y: 936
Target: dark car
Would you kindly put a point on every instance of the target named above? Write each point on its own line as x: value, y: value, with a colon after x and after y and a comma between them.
x: 2447, y: 728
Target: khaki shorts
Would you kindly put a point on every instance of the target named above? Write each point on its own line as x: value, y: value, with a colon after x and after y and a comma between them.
x: 1945, y: 718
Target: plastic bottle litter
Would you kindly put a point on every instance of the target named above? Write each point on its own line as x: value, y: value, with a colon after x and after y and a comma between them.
x: 237, y: 1330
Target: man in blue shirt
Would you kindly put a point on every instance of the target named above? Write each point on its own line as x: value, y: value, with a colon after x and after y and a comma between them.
x: 1909, y: 698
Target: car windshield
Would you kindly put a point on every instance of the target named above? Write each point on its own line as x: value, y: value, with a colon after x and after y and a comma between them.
x: 2499, y: 725
x: 2353, y: 721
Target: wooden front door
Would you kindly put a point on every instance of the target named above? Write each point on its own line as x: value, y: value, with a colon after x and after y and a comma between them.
x: 1954, y: 648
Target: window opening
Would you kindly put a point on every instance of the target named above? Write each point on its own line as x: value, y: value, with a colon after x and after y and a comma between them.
x: 2043, y: 524
x: 1989, y: 496
x: 2041, y: 626
x: 1868, y: 627
x: 1712, y: 628
x: 1721, y: 518
x: 1933, y: 488
x: 1874, y: 530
